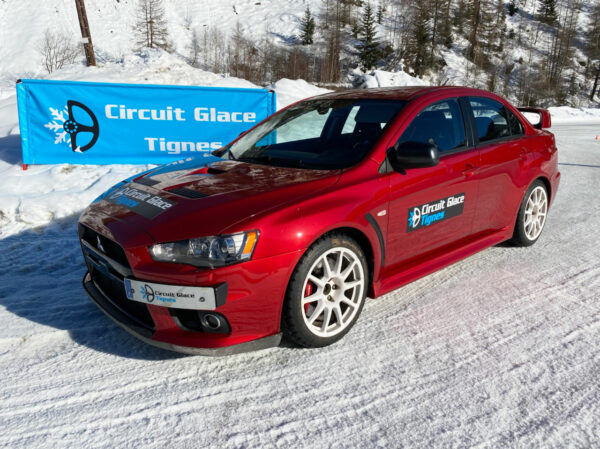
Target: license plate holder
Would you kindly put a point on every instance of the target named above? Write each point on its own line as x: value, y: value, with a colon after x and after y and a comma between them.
x: 165, y: 295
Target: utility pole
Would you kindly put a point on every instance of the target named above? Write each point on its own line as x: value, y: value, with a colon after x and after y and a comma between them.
x: 86, y: 36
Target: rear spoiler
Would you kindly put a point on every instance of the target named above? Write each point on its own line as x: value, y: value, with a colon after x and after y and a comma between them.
x: 541, y: 121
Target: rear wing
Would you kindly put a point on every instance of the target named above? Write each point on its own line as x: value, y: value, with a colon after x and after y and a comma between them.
x: 538, y: 117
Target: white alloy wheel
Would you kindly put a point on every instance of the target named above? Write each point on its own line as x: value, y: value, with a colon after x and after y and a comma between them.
x: 535, y: 213
x: 333, y: 292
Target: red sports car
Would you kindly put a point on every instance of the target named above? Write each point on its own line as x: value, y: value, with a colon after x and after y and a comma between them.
x: 335, y: 198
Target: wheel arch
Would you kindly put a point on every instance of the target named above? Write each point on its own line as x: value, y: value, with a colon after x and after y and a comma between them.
x: 547, y: 184
x: 366, y: 246
x: 363, y: 242
x: 360, y: 238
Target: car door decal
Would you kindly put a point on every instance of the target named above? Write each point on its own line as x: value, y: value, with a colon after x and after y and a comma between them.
x: 427, y: 214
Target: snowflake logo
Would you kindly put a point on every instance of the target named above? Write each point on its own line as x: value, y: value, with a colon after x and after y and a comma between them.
x: 67, y: 129
x: 58, y: 125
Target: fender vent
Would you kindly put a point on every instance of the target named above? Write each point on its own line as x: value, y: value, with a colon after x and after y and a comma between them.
x: 146, y: 181
x: 187, y: 193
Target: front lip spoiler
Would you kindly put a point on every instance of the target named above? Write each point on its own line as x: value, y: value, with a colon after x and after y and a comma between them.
x: 143, y: 334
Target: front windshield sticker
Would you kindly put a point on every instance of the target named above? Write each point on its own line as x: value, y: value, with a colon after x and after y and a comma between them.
x: 434, y: 212
x: 142, y: 203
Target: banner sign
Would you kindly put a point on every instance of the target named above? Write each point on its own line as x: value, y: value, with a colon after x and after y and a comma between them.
x: 105, y: 123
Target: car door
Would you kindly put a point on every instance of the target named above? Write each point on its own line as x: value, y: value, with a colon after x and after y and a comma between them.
x: 433, y: 207
x: 499, y: 135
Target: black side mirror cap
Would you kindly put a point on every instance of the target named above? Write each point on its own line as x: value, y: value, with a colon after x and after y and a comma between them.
x: 413, y: 155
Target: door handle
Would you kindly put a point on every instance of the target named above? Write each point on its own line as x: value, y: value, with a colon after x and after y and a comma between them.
x: 469, y: 170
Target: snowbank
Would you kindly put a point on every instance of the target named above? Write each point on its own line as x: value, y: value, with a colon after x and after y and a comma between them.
x: 289, y: 91
x: 381, y: 78
x: 567, y: 114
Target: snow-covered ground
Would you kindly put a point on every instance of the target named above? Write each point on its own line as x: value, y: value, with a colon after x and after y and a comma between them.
x: 500, y: 350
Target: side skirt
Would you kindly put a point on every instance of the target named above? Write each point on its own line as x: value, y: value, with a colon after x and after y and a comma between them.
x: 421, y: 266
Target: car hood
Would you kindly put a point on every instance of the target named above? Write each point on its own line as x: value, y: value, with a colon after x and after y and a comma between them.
x: 208, y: 199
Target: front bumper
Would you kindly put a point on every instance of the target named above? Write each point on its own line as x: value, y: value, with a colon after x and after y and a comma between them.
x: 138, y: 329
x: 249, y: 297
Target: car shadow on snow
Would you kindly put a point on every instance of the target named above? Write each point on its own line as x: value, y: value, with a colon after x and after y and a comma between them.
x: 41, y: 271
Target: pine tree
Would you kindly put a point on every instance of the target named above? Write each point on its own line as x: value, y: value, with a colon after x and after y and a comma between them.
x: 547, y: 13
x: 420, y: 39
x: 368, y: 45
x: 307, y: 28
x: 512, y: 8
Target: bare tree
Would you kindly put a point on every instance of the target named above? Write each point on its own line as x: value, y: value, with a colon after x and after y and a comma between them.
x: 58, y: 50
x: 195, y: 50
x: 150, y: 26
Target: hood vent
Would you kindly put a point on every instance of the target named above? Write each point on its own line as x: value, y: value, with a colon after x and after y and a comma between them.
x: 215, y: 171
x: 146, y: 181
x: 207, y: 170
x: 187, y: 193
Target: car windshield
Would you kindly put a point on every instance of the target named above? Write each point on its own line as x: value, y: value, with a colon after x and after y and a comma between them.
x: 317, y: 134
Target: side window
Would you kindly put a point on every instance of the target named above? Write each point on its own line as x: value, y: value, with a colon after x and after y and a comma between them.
x: 516, y: 127
x: 440, y: 124
x: 491, y: 118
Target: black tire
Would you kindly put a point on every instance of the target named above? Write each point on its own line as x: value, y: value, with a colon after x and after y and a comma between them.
x: 520, y: 235
x: 295, y: 319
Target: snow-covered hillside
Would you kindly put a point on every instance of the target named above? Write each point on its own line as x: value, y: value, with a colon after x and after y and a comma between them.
x: 23, y: 22
x: 514, y: 67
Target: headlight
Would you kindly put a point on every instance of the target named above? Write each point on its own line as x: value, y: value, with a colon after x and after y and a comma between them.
x: 210, y: 252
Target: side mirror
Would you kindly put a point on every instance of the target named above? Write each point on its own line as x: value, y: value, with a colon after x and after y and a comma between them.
x: 413, y: 155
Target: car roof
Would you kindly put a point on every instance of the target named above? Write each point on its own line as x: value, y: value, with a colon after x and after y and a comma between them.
x: 403, y: 93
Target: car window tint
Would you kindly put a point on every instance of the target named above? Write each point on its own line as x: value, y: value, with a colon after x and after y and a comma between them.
x: 324, y: 134
x: 516, y: 127
x: 491, y: 119
x: 440, y: 124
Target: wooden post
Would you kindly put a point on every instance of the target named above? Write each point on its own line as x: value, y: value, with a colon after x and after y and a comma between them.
x: 86, y: 36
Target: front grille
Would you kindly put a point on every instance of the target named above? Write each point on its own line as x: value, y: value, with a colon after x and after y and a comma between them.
x: 114, y: 290
x: 111, y: 249
x: 188, y: 193
x: 109, y: 278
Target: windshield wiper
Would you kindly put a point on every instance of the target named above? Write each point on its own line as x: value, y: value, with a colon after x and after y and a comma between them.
x: 266, y: 159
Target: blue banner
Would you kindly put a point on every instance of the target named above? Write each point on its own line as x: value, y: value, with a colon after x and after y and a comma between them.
x: 105, y: 123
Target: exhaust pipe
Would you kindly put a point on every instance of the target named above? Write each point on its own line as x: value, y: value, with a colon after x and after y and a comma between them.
x: 211, y: 321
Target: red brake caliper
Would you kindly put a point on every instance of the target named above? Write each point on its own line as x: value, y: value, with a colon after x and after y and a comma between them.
x: 308, y: 290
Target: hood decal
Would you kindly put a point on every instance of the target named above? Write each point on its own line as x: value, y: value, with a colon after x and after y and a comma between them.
x: 142, y: 203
